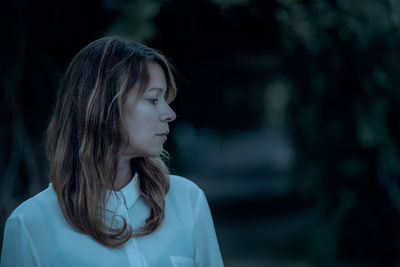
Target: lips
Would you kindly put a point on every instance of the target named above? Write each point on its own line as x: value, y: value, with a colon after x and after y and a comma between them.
x: 163, y: 133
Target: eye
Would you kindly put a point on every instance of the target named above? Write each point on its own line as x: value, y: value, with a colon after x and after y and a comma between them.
x: 153, y: 101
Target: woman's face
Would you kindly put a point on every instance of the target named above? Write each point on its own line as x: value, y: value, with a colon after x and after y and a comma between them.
x: 147, y: 120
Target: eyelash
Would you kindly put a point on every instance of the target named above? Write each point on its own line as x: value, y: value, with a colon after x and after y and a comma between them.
x: 153, y: 101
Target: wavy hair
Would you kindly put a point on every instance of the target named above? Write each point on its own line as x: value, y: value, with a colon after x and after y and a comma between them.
x: 84, y: 137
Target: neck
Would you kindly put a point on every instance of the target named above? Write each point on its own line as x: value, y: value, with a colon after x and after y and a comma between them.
x: 123, y: 174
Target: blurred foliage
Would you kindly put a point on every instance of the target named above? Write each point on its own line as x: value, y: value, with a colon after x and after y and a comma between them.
x: 135, y: 19
x: 344, y: 108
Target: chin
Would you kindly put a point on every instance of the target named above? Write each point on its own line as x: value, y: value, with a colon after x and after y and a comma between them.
x: 155, y: 153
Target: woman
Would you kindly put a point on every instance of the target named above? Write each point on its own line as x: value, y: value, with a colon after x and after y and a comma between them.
x: 111, y: 201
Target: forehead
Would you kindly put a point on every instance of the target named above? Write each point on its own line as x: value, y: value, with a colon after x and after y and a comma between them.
x: 156, y: 77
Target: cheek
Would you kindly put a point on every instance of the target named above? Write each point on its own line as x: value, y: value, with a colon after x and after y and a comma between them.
x: 142, y: 123
x: 140, y: 128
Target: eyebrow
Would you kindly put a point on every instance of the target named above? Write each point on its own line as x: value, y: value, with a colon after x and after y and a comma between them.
x: 156, y: 88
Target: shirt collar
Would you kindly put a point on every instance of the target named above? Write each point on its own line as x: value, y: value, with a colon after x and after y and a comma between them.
x: 126, y: 195
x: 130, y: 192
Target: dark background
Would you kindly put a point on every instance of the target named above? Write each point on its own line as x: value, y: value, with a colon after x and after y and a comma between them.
x: 287, y: 115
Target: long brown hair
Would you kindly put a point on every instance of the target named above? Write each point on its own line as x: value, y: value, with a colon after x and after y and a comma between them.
x: 84, y: 137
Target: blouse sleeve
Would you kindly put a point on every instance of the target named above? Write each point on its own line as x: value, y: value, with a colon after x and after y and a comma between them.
x: 18, y: 248
x: 207, y: 251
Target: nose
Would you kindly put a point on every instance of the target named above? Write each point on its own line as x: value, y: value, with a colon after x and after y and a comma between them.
x: 169, y: 115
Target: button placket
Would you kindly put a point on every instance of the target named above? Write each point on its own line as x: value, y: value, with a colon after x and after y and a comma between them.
x: 135, y: 256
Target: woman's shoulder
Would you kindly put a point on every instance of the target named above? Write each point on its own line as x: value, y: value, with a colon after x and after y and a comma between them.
x: 183, y: 183
x: 184, y: 188
x: 36, y: 205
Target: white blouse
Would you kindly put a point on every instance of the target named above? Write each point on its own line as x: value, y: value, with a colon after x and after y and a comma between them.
x: 37, y: 234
